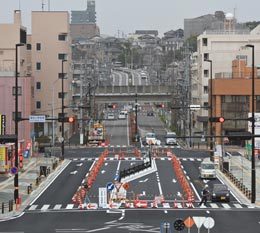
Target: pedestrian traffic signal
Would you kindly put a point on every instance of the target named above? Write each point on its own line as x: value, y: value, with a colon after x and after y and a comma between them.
x: 217, y: 119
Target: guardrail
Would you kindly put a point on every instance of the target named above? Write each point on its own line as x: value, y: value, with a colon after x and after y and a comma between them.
x: 238, y: 183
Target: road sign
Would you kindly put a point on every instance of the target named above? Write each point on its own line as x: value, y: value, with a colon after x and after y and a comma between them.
x: 209, y: 223
x: 37, y: 118
x: 189, y: 222
x: 102, y: 197
x: 179, y: 225
x: 110, y: 186
x: 14, y: 170
x: 195, y: 107
x: 166, y: 227
x: 60, y: 139
x: 199, y: 221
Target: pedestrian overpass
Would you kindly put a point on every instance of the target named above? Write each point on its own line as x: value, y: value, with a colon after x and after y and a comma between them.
x: 149, y: 93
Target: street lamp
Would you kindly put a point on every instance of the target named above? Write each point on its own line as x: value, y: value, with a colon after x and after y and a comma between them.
x: 211, y: 108
x: 62, y: 108
x: 16, y: 179
x: 253, y: 191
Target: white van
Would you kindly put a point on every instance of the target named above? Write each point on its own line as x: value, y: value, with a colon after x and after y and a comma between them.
x: 207, y: 169
x: 122, y: 115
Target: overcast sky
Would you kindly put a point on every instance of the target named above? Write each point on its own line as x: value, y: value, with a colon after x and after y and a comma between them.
x: 130, y: 15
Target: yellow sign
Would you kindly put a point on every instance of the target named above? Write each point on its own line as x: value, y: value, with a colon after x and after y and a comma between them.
x: 2, y: 153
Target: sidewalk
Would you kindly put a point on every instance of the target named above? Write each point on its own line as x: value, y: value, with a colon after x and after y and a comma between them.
x: 240, y: 167
x: 30, y: 175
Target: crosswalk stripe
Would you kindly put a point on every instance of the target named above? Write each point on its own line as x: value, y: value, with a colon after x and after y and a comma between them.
x: 214, y: 205
x: 250, y: 207
x: 33, y: 207
x: 179, y: 205
x: 203, y: 206
x: 226, y: 206
x: 184, y: 159
x: 162, y: 158
x: 82, y: 159
x: 238, y: 205
x: 199, y: 159
x: 57, y: 207
x: 191, y: 159
x: 133, y: 158
x: 45, y: 207
x: 69, y: 206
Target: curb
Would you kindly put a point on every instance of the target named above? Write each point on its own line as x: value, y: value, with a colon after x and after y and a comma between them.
x: 34, y: 194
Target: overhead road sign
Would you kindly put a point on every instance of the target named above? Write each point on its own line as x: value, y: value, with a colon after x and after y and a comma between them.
x: 37, y: 118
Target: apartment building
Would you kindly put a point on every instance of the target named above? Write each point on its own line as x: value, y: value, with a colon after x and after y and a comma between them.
x: 221, y: 47
x: 51, y: 58
x: 232, y: 99
x: 11, y: 35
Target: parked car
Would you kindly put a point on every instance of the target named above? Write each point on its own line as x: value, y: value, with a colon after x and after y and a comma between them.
x: 122, y: 115
x: 220, y: 192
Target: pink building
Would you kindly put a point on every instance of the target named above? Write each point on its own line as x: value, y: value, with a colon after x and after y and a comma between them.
x: 12, y: 34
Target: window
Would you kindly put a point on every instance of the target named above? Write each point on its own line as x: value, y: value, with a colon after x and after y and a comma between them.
x: 62, y: 56
x: 205, y: 41
x: 38, y: 46
x: 206, y: 73
x: 60, y: 75
x: 205, y: 89
x: 19, y: 115
x: 19, y: 91
x: 62, y: 37
x: 29, y: 47
x: 206, y: 56
x: 205, y: 104
x: 38, y: 85
x: 38, y: 66
x: 38, y: 104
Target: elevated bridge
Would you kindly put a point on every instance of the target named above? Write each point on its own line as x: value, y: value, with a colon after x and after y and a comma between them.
x: 148, y: 93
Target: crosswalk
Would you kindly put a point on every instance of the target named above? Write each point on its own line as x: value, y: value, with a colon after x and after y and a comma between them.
x: 136, y: 158
x: 166, y: 205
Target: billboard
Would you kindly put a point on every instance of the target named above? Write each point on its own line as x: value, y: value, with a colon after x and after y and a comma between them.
x: 2, y: 159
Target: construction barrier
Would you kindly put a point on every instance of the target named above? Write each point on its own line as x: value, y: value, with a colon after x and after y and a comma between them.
x: 187, y: 190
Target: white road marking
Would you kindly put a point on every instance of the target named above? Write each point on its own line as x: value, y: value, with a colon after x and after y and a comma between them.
x: 33, y: 207
x: 69, y: 206
x: 79, y: 164
x: 188, y: 178
x: 238, y: 205
x: 57, y: 207
x: 184, y: 159
x: 214, y: 205
x: 127, y: 131
x: 194, y: 189
x: 74, y: 172
x: 143, y: 181
x: 106, y: 164
x: 191, y: 159
x: 174, y: 181
x: 45, y: 207
x: 122, y: 216
x: 226, y: 206
x: 50, y: 182
x: 103, y: 171
x: 82, y: 159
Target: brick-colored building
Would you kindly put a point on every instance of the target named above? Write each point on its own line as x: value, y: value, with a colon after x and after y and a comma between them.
x: 232, y: 97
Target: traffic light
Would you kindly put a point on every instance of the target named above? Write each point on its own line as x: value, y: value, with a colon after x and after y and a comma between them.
x: 70, y: 119
x: 217, y: 119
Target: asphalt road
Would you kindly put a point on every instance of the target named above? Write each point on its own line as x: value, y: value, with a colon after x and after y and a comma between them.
x: 129, y: 221
x: 231, y: 217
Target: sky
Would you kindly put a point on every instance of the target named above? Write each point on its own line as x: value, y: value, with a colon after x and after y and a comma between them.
x: 126, y: 16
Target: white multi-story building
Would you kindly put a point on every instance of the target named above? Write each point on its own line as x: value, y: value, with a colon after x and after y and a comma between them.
x: 221, y: 47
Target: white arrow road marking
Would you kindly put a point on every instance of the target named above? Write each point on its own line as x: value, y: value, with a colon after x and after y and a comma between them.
x: 179, y: 194
x: 143, y: 181
x: 103, y: 171
x: 205, y: 181
x: 79, y: 164
x: 174, y: 181
x: 74, y: 172
x: 122, y: 216
x: 106, y: 164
